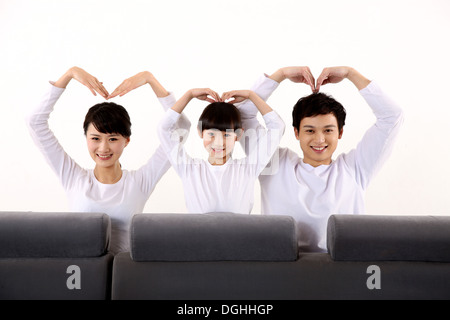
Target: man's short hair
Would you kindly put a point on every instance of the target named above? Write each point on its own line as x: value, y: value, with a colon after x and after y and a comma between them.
x: 318, y: 104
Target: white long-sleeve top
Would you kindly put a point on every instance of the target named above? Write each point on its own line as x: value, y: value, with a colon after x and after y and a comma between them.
x: 221, y: 188
x: 311, y: 194
x: 85, y: 193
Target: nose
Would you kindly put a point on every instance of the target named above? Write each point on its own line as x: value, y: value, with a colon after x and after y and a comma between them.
x: 319, y: 138
x: 218, y: 140
x: 104, y: 146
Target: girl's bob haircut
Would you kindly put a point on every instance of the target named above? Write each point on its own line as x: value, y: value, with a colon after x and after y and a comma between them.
x: 221, y: 116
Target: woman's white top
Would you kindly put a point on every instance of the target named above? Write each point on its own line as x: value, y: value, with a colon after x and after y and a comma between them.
x: 85, y: 193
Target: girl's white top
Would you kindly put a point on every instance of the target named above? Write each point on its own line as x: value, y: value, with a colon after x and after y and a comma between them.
x: 220, y: 188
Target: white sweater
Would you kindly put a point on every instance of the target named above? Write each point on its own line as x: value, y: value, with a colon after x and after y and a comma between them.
x: 85, y: 193
x: 311, y: 194
x: 223, y: 188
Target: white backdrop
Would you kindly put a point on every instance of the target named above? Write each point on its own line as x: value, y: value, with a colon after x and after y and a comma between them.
x: 225, y: 45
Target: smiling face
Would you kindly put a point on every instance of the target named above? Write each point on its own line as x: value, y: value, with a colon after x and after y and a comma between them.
x: 318, y: 138
x: 219, y: 144
x: 105, y: 148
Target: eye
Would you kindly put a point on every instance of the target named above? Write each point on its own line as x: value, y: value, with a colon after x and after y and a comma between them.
x: 94, y: 138
x: 211, y: 134
x: 113, y: 139
x: 329, y: 131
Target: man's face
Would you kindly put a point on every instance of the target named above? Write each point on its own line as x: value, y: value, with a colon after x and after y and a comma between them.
x: 318, y: 138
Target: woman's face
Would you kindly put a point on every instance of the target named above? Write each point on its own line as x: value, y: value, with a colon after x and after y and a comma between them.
x: 105, y: 148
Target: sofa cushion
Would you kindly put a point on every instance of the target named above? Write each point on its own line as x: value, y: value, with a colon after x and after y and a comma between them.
x: 387, y: 237
x: 212, y: 237
x: 53, y: 234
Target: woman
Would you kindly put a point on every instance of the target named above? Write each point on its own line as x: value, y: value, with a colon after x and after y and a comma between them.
x: 108, y: 187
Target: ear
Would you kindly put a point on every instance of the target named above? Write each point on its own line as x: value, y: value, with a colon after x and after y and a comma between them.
x: 127, y: 141
x: 296, y: 133
x: 341, y: 133
x: 200, y: 133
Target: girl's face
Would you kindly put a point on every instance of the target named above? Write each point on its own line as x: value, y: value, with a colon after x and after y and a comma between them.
x: 105, y: 148
x: 219, y: 144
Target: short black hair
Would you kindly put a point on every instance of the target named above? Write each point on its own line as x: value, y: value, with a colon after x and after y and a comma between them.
x: 108, y: 117
x: 316, y: 104
x: 222, y: 116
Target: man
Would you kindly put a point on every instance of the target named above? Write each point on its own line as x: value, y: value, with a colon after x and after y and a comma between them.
x: 313, y: 187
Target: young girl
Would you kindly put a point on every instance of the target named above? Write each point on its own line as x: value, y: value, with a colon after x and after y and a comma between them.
x: 108, y: 187
x: 220, y: 184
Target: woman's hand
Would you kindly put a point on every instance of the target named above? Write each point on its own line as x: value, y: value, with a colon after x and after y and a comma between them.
x: 132, y: 83
x: 84, y: 78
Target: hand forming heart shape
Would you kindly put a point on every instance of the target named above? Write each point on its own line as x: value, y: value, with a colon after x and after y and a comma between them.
x: 295, y: 74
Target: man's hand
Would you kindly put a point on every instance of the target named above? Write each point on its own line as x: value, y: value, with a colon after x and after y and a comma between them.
x: 337, y: 74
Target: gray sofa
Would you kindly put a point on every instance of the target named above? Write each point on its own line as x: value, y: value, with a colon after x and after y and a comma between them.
x: 55, y: 256
x: 252, y: 257
x: 224, y: 256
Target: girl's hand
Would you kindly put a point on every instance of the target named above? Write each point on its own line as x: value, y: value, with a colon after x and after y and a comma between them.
x: 236, y: 95
x: 205, y: 94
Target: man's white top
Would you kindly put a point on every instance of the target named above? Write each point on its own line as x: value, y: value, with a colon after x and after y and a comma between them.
x: 85, y: 193
x: 311, y: 194
x: 221, y: 188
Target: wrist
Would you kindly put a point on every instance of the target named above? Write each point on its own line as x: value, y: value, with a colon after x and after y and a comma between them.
x: 279, y: 75
x: 357, y: 79
x: 64, y: 80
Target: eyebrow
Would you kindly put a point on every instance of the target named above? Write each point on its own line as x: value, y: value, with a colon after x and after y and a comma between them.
x: 110, y: 135
x: 327, y: 126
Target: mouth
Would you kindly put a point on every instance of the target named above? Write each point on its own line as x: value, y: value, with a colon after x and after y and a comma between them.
x: 319, y: 149
x: 217, y: 150
x: 104, y: 157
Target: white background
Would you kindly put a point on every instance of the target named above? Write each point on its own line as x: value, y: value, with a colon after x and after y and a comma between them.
x: 225, y: 45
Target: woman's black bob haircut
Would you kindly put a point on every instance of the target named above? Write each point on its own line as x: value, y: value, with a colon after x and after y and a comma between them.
x: 108, y: 117
x: 221, y: 116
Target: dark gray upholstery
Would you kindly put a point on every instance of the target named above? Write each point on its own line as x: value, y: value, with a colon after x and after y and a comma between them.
x: 39, y: 251
x: 53, y: 234
x: 212, y: 237
x: 46, y: 278
x: 223, y: 257
x: 383, y: 237
x: 311, y: 276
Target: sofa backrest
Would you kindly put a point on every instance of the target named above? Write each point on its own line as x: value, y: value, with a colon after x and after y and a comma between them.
x: 387, y: 237
x: 212, y: 237
x: 53, y: 234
